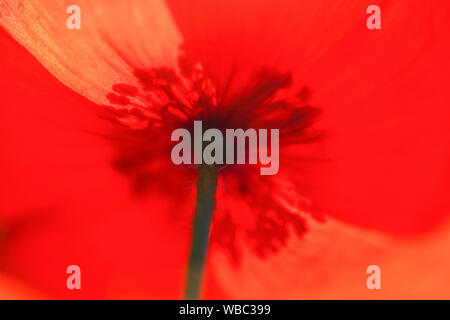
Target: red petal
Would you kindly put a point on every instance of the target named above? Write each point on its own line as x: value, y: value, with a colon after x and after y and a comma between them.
x: 63, y: 203
x: 383, y: 162
x: 330, y: 262
x: 115, y: 38
x: 13, y: 290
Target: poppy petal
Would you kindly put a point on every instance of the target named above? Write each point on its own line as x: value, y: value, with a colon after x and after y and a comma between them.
x: 330, y: 262
x: 115, y: 38
x: 13, y: 290
x: 383, y: 160
x: 63, y: 203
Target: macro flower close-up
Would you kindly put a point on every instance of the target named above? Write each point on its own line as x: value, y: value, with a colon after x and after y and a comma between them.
x: 356, y: 176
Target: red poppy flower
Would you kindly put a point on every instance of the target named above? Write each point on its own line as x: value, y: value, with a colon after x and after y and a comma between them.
x: 87, y: 179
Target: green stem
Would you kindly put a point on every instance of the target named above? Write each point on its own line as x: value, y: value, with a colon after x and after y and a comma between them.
x: 204, y: 208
